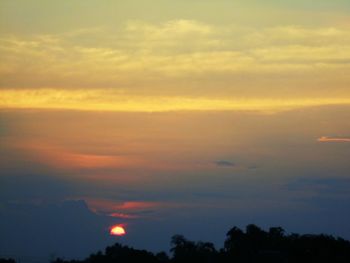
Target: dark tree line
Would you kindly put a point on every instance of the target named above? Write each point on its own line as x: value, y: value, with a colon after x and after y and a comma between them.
x: 5, y: 260
x: 251, y: 245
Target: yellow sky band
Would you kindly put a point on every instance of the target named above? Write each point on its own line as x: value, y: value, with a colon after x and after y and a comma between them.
x: 107, y: 100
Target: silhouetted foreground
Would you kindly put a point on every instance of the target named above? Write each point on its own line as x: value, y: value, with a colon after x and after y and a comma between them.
x: 253, y: 245
x: 3, y: 260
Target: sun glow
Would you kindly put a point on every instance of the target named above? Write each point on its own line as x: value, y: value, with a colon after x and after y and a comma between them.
x: 117, y: 230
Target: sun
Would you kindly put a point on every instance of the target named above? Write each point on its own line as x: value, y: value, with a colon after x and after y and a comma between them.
x: 117, y: 230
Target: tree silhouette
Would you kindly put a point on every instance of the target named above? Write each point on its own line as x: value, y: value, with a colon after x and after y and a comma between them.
x: 253, y: 245
x: 189, y: 251
x: 3, y: 260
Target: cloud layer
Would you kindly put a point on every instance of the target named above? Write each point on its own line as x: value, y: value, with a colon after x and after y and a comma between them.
x: 177, y: 63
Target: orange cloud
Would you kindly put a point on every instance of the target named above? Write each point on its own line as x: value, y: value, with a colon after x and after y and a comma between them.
x: 110, y: 205
x: 129, y: 166
x: 124, y: 216
x: 135, y: 205
x: 333, y: 139
x: 124, y: 210
x: 90, y: 160
x: 63, y: 158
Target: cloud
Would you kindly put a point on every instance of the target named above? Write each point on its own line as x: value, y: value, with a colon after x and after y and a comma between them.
x: 224, y: 163
x: 31, y: 187
x: 123, y: 209
x: 124, y: 216
x: 169, y: 30
x: 111, y: 100
x: 178, y: 56
x: 336, y: 187
x: 333, y: 139
x: 38, y: 230
x: 67, y: 158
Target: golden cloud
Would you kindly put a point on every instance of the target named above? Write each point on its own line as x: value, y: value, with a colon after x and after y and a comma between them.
x: 178, y: 57
x: 333, y: 139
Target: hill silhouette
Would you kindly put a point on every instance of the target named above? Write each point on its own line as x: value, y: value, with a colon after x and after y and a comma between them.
x: 252, y: 245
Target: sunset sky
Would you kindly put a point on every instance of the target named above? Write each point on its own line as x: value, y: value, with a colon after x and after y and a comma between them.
x: 171, y: 117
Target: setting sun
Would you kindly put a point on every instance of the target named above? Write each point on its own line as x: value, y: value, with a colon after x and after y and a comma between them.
x: 117, y: 231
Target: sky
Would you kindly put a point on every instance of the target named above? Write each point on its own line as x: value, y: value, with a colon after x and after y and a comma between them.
x: 170, y: 117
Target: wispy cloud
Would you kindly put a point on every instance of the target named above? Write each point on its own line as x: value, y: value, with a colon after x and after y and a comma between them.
x: 69, y: 158
x: 124, y: 216
x: 224, y: 163
x: 156, y: 58
x: 123, y: 210
x: 333, y: 139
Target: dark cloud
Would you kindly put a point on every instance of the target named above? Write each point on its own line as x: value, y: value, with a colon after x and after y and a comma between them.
x: 33, y: 187
x: 329, y: 186
x: 324, y: 199
x: 67, y: 229
x: 37, y: 222
x: 224, y: 163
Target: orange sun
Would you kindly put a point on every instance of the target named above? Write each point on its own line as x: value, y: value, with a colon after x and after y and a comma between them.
x: 117, y: 230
